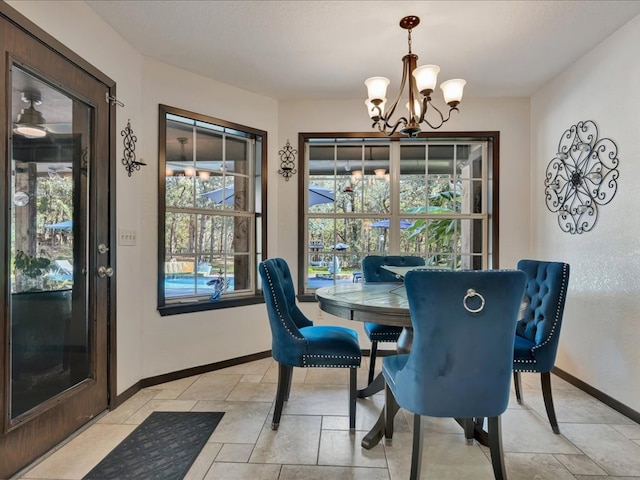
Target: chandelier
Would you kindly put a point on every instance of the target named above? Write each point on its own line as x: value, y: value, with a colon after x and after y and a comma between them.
x: 422, y: 82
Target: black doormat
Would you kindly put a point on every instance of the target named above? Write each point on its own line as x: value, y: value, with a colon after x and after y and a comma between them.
x: 163, y: 447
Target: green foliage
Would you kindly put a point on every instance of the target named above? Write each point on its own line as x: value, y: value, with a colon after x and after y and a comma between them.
x: 31, y: 266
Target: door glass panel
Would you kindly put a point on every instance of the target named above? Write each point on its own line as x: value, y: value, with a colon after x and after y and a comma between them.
x: 48, y: 162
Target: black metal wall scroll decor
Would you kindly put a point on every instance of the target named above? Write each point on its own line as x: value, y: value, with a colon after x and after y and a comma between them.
x: 581, y: 177
x: 129, y: 155
x: 287, y: 161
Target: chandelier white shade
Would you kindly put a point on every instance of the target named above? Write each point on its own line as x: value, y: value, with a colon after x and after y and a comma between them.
x: 421, y: 83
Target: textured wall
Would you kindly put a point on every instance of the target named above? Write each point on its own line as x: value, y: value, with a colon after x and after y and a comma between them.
x: 601, y: 333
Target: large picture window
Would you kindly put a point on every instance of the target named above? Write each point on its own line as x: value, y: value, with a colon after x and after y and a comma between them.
x: 433, y: 196
x: 210, y: 212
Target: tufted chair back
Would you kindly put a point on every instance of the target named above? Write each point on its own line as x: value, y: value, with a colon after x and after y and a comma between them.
x: 460, y: 361
x: 285, y: 318
x: 546, y: 290
x: 372, y: 266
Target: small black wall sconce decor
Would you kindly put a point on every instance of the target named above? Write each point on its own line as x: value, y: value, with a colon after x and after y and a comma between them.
x: 129, y: 155
x: 581, y: 177
x: 287, y: 161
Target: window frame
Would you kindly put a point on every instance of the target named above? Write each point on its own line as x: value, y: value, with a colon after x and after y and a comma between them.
x: 200, y: 303
x: 493, y: 156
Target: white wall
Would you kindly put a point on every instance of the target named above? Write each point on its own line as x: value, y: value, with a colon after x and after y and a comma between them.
x: 601, y: 330
x: 182, y: 341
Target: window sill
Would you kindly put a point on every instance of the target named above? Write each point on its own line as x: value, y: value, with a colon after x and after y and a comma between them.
x: 179, y: 308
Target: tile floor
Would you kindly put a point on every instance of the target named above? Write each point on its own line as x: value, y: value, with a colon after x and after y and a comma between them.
x: 313, y: 442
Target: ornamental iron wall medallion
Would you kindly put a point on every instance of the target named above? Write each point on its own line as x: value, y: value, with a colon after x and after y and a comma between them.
x: 582, y: 176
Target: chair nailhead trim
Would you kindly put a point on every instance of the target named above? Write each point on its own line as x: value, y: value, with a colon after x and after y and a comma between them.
x: 345, y: 357
x: 275, y: 301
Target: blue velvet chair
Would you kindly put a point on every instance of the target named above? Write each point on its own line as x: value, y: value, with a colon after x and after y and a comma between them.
x: 296, y: 342
x: 373, y: 272
x: 462, y: 353
x: 538, y: 332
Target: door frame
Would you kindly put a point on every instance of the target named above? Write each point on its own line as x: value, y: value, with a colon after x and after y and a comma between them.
x: 28, y: 27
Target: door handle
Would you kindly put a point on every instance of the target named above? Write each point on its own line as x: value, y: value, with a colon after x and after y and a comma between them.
x: 105, y: 271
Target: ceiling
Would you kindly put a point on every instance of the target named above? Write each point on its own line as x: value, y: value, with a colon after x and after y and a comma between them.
x: 292, y: 50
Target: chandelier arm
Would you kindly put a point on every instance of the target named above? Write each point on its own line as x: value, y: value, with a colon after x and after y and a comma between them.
x: 442, y: 119
x: 394, y: 127
x: 405, y: 75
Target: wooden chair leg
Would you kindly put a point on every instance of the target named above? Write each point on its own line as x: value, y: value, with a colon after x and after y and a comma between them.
x: 416, y: 451
x: 517, y: 387
x: 469, y: 427
x: 289, y: 382
x: 545, y: 379
x: 495, y: 447
x: 284, y: 379
x: 391, y: 408
x: 353, y: 394
x: 372, y: 360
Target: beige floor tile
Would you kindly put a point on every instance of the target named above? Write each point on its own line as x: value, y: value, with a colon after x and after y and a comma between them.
x: 631, y: 432
x: 311, y: 399
x: 308, y: 472
x: 211, y: 386
x: 251, y: 378
x: 180, y: 384
x: 602, y: 477
x: 81, y: 454
x: 160, y: 406
x: 327, y: 376
x: 243, y: 471
x: 535, y: 466
x: 575, y: 406
x: 614, y: 453
x: 204, y: 461
x: 343, y: 449
x: 252, y: 392
x: 241, y: 423
x: 235, y: 452
x: 299, y: 374
x: 131, y: 406
x: 295, y: 442
x: 524, y: 431
x: 580, y: 464
x: 445, y: 457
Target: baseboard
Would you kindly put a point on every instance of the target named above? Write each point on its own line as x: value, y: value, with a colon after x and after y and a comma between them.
x: 189, y: 372
x: 597, y: 394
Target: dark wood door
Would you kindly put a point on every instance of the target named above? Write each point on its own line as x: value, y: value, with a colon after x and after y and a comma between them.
x: 54, y: 237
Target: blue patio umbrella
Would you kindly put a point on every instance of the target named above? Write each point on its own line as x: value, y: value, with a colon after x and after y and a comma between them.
x: 385, y: 224
x: 317, y: 195
x: 65, y: 225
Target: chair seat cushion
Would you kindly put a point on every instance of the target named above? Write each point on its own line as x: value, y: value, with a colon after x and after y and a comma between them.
x: 522, y: 353
x: 382, y: 333
x: 331, y: 346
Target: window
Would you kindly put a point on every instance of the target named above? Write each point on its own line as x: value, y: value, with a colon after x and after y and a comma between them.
x: 431, y: 196
x: 210, y: 212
